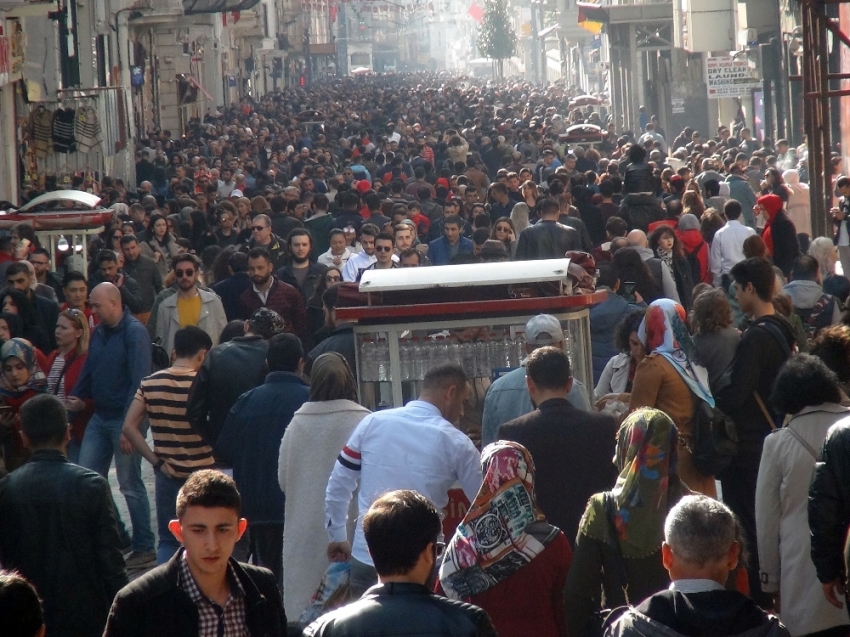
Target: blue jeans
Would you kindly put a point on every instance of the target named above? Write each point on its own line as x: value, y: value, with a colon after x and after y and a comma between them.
x: 166, y: 510
x: 100, y: 443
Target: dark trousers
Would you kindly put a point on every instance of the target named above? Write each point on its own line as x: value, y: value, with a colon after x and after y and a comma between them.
x: 265, y: 547
x: 739, y: 494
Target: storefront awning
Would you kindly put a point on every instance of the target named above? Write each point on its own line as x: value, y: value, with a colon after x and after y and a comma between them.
x: 216, y: 6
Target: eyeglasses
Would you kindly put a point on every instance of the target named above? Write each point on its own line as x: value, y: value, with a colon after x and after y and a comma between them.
x: 503, y: 229
x: 333, y: 279
x: 383, y: 248
x: 258, y: 228
x: 181, y: 273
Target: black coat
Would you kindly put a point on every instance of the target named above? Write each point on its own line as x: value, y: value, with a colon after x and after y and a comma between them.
x: 401, y: 609
x: 547, y: 240
x: 829, y: 505
x: 58, y: 527
x: 230, y: 290
x: 558, y: 436
x: 341, y: 340
x: 154, y: 605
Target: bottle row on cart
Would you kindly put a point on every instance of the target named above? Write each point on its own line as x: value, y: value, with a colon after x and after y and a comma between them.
x: 497, y: 350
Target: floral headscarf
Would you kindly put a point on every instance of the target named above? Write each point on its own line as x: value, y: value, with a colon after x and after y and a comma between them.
x: 663, y: 331
x: 648, y: 485
x: 495, y: 538
x: 22, y: 349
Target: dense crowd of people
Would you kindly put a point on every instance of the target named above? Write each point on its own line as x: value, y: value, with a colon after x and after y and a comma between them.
x: 202, y: 337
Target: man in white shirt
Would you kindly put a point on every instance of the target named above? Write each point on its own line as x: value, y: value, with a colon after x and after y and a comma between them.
x: 413, y: 447
x: 362, y: 260
x: 727, y: 248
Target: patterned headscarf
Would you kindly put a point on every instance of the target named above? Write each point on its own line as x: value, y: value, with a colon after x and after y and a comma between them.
x: 663, y: 331
x: 22, y: 349
x: 494, y: 539
x: 647, y: 487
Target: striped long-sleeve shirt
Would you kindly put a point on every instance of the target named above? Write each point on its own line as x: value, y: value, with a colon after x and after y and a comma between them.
x: 166, y: 394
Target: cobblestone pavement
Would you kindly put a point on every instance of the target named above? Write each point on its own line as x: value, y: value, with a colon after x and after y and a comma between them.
x: 121, y: 503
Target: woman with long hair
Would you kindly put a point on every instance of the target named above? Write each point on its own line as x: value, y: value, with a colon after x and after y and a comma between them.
x: 308, y: 451
x: 520, y: 580
x: 667, y: 246
x: 503, y: 230
x: 692, y: 204
x: 615, y: 383
x: 634, y: 276
x: 618, y: 546
x: 774, y: 184
x: 63, y: 367
x: 21, y: 379
x: 162, y: 243
x: 670, y: 379
x: 316, y: 323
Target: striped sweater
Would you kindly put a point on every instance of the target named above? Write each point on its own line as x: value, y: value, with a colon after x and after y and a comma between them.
x: 165, y: 395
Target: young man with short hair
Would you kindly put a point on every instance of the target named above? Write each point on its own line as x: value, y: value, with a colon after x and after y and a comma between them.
x: 202, y: 591
x: 178, y: 450
x: 442, y: 250
x: 385, y: 255
x: 144, y: 271
x: 40, y: 259
x: 402, y: 529
x: 76, y: 290
x: 269, y: 291
x: 300, y: 272
x: 109, y: 271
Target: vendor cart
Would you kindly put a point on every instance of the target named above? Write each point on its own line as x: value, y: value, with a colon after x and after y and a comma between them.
x: 396, y: 344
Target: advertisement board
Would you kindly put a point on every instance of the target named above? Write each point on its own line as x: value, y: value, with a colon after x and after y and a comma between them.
x: 730, y: 77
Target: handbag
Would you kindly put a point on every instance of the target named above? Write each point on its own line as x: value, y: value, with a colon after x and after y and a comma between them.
x: 604, y: 618
x: 715, y: 439
x: 334, y: 591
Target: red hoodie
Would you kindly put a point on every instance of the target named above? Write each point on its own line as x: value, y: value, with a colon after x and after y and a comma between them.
x: 694, y: 244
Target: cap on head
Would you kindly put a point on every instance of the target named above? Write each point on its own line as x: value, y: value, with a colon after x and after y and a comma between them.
x: 543, y: 329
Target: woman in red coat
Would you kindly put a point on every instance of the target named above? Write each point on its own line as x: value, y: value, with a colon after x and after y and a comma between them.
x: 20, y: 381
x: 695, y: 246
x: 504, y: 556
x: 63, y: 367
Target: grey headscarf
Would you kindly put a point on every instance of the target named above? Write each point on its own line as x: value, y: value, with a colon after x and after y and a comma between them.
x: 688, y: 222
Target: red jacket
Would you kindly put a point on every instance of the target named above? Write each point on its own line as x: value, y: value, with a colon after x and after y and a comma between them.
x: 72, y: 373
x: 284, y: 299
x: 692, y: 240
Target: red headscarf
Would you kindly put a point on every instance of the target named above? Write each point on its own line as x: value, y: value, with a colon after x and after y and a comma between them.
x: 772, y: 204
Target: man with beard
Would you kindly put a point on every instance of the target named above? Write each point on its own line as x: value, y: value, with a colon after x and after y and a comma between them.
x: 300, y: 272
x: 190, y: 306
x: 268, y: 291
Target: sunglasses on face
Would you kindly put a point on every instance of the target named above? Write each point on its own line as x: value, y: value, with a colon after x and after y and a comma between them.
x: 181, y: 273
x: 383, y: 248
x: 258, y: 228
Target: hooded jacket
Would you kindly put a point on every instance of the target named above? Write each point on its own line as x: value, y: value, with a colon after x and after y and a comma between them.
x: 816, y: 309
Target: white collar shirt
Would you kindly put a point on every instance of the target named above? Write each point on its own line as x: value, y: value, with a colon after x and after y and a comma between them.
x: 411, y: 447
x: 727, y: 248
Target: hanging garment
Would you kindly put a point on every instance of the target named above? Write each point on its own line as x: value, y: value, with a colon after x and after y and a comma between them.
x: 41, y: 129
x: 87, y: 129
x: 63, y: 131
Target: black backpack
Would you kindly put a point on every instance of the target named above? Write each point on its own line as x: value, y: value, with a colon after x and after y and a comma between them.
x: 715, y: 439
x: 693, y: 262
x: 818, y: 316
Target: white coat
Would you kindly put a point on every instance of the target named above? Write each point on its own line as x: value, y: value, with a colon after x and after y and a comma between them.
x: 782, y: 521
x: 315, y: 436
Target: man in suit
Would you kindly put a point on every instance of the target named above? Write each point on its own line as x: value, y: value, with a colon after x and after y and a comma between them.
x: 572, y: 449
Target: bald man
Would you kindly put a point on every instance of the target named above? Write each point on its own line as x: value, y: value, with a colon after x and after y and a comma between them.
x: 119, y: 358
x: 660, y: 271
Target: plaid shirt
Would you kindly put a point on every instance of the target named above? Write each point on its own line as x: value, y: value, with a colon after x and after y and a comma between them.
x: 213, y: 620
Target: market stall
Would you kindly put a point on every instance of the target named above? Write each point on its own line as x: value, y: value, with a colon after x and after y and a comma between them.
x: 473, y: 315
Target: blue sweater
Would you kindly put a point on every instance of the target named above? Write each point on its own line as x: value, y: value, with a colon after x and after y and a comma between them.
x: 119, y: 358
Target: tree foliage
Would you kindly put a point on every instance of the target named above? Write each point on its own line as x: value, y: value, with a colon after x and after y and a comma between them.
x: 496, y: 37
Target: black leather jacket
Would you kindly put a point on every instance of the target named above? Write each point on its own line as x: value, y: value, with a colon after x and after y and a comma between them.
x: 401, y: 609
x: 547, y: 240
x: 59, y: 529
x: 229, y: 370
x: 829, y: 504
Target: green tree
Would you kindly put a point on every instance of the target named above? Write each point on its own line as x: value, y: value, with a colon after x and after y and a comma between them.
x: 496, y: 37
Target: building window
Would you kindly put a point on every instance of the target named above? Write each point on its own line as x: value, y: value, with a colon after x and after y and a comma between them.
x: 360, y: 59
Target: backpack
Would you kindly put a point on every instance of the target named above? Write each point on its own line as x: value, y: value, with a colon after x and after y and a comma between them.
x: 818, y: 316
x: 693, y: 261
x: 715, y: 439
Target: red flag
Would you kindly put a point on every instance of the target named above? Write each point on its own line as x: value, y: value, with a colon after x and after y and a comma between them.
x: 476, y: 13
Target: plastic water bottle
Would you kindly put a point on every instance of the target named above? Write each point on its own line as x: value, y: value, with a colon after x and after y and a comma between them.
x: 467, y: 353
x: 440, y: 354
x: 405, y: 359
x: 483, y: 368
x: 519, y: 350
x: 367, y: 364
x: 382, y: 355
x: 455, y: 355
x: 417, y: 367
